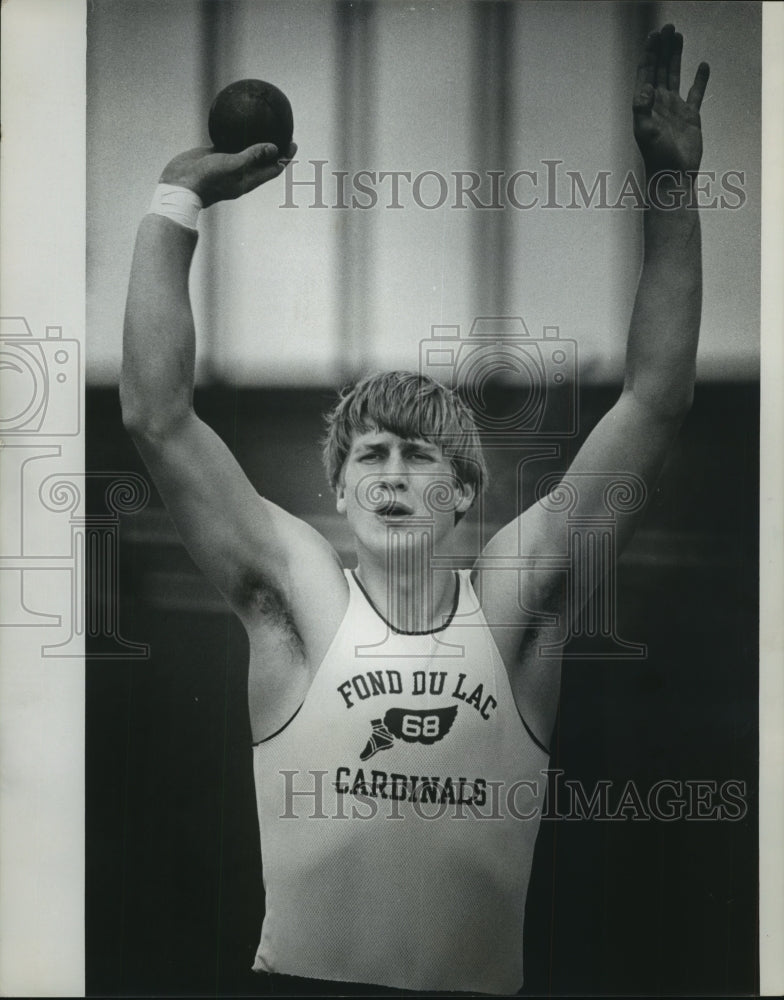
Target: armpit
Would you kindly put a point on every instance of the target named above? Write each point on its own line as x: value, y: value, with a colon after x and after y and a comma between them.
x: 265, y: 602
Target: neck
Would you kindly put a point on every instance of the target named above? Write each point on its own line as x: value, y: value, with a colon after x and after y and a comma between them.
x: 406, y: 591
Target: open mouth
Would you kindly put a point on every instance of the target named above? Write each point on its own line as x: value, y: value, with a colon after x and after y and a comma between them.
x: 394, y: 509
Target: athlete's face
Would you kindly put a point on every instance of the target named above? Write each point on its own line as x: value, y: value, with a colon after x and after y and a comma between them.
x: 391, y: 485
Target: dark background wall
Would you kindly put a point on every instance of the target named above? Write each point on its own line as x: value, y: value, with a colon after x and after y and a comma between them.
x: 174, y: 897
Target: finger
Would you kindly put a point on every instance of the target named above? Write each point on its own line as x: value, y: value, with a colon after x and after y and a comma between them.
x: 257, y: 165
x: 254, y: 178
x: 646, y: 68
x: 697, y: 92
x: 261, y: 152
x: 644, y: 100
x: 290, y: 153
x: 254, y: 159
x: 674, y: 68
x: 249, y: 159
x: 665, y: 49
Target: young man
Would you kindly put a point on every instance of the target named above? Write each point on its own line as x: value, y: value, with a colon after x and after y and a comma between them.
x: 400, y: 721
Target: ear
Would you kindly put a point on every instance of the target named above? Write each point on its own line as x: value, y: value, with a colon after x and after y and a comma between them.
x: 467, y: 494
x: 340, y: 502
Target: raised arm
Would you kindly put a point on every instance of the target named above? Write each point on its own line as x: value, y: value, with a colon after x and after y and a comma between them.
x: 156, y: 386
x: 636, y: 435
x: 246, y: 545
x: 665, y: 323
x: 634, y: 438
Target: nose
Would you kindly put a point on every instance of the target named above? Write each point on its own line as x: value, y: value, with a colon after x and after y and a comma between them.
x: 393, y: 481
x: 393, y: 472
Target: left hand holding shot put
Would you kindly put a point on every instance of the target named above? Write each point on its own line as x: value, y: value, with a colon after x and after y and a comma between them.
x: 251, y: 125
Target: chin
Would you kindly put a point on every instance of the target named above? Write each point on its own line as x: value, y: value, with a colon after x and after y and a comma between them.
x: 410, y: 535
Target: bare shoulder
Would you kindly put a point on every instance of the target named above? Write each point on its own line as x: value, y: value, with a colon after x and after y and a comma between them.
x: 300, y: 587
x: 518, y: 582
x: 522, y: 596
x: 293, y: 607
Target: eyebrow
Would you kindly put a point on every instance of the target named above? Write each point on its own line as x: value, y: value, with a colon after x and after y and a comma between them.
x: 418, y: 444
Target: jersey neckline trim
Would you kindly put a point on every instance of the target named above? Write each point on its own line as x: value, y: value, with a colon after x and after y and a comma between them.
x: 398, y: 631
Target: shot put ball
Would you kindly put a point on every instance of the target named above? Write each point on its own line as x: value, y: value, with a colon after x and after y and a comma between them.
x: 247, y: 112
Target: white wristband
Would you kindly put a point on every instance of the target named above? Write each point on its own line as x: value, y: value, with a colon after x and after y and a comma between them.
x: 179, y: 204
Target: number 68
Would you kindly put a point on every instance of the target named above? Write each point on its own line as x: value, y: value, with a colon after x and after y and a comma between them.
x: 415, y: 726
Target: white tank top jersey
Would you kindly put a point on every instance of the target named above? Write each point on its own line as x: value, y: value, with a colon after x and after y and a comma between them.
x: 398, y: 811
